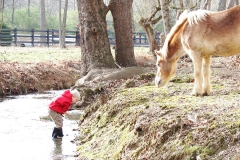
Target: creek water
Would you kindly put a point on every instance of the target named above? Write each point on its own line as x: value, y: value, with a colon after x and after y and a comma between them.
x: 25, y: 136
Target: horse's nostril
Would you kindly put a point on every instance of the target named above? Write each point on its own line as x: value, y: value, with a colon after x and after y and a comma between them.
x: 159, y: 82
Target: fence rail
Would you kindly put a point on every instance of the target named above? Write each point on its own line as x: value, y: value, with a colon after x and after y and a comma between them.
x: 21, y: 37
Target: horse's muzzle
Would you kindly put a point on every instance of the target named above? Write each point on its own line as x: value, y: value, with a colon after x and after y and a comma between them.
x: 158, y: 82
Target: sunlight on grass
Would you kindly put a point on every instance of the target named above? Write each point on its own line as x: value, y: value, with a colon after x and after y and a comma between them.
x: 38, y: 54
x: 45, y: 54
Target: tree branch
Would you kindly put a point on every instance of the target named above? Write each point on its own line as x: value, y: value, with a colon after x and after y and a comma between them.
x: 157, y: 8
x: 157, y: 19
x: 177, y: 8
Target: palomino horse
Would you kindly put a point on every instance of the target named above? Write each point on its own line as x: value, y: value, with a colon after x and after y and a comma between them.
x: 201, y: 34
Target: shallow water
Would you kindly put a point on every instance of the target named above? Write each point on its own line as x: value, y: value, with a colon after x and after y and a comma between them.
x: 23, y: 136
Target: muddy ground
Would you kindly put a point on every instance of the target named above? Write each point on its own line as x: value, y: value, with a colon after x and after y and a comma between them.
x: 129, y: 118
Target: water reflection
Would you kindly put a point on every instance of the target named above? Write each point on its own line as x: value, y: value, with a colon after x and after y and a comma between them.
x: 23, y: 136
x: 57, y: 149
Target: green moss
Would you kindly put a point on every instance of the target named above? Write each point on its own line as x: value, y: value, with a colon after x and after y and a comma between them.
x: 146, y: 76
x: 162, y: 114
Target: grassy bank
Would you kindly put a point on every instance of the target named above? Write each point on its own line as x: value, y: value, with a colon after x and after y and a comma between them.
x: 167, y: 123
x: 162, y: 123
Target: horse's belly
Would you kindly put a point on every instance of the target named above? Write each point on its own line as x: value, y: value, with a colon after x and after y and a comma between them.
x: 223, y: 50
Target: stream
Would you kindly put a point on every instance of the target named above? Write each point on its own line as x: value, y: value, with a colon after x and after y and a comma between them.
x: 25, y: 136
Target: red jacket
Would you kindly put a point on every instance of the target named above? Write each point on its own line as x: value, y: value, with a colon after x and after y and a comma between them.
x: 61, y: 103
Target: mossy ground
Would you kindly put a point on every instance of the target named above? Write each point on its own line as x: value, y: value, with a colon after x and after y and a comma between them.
x: 166, y: 123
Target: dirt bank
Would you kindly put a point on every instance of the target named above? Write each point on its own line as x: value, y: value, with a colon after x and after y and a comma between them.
x: 23, y: 78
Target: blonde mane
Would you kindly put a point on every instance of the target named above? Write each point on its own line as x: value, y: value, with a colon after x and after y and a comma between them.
x: 196, y: 16
x: 192, y: 17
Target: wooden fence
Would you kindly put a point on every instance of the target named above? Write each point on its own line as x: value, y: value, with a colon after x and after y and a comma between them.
x: 20, y: 37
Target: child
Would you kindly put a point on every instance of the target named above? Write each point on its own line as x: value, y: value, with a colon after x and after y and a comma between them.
x: 58, y: 106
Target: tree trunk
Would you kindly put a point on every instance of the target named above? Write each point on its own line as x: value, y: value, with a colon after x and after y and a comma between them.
x: 13, y: 11
x: 122, y: 18
x: 2, y: 11
x: 222, y: 5
x: 28, y: 8
x: 62, y: 24
x: 150, y: 35
x: 237, y: 2
x: 230, y: 4
x: 2, y: 5
x: 206, y: 4
x: 179, y: 12
x: 95, y: 47
x: 43, y: 23
x: 199, y: 4
x: 166, y: 16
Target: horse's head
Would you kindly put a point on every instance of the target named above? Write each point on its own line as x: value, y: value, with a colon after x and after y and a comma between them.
x: 166, y: 67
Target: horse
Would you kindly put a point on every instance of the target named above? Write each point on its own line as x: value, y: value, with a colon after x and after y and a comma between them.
x: 201, y: 34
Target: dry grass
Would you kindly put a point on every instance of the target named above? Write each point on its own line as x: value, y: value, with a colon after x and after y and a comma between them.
x: 38, y: 54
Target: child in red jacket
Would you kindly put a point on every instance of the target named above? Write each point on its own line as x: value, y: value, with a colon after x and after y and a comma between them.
x: 60, y: 105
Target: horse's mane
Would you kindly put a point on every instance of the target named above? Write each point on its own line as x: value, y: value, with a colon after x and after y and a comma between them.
x: 195, y: 16
x: 192, y: 17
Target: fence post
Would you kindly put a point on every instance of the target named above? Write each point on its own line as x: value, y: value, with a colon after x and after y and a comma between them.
x: 133, y: 37
x: 15, y: 36
x: 32, y: 37
x: 52, y: 36
x: 77, y: 38
x: 48, y: 37
x: 140, y: 38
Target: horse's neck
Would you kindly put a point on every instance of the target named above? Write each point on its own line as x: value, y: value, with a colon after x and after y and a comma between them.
x: 177, y: 54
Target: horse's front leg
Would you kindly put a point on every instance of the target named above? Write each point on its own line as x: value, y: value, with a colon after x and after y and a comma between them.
x: 206, y: 76
x: 197, y: 62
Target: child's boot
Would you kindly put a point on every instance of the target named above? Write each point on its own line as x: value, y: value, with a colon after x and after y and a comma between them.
x: 60, y: 133
x: 57, y: 133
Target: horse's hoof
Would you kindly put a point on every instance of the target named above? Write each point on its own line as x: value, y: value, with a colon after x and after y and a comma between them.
x: 196, y: 94
x: 205, y: 94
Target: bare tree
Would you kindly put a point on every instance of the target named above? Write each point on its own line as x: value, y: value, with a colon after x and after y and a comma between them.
x: 28, y: 8
x: 43, y: 22
x: 206, y: 4
x: 232, y: 3
x: 147, y: 23
x: 180, y: 10
x: 13, y: 10
x: 122, y: 18
x: 237, y: 2
x: 149, y: 17
x: 2, y: 10
x: 95, y: 47
x: 166, y: 16
x: 62, y: 23
x: 222, y: 5
x: 2, y: 5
